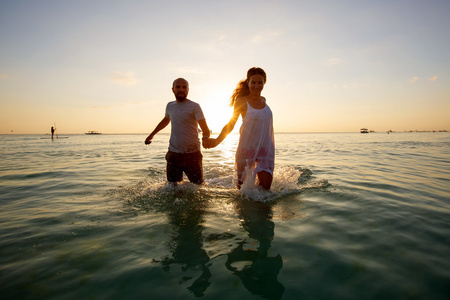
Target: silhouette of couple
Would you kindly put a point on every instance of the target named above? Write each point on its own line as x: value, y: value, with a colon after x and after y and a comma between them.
x: 256, y: 149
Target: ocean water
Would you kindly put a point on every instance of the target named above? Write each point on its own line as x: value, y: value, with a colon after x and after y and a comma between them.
x: 350, y: 216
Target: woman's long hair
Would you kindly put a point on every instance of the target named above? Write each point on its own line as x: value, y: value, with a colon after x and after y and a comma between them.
x: 242, y: 88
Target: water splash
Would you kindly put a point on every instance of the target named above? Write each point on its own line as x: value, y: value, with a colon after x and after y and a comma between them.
x: 155, y: 193
x: 285, y: 182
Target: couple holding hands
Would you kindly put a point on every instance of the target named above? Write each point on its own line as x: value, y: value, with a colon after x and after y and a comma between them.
x: 256, y: 149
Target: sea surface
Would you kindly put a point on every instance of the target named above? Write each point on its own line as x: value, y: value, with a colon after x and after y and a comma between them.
x: 349, y: 216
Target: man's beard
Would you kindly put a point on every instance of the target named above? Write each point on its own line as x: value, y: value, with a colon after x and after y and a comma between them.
x: 180, y: 96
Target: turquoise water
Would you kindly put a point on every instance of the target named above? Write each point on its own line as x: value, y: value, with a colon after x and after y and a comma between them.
x: 350, y: 216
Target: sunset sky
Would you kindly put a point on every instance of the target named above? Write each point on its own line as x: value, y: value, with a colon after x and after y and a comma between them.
x: 332, y: 66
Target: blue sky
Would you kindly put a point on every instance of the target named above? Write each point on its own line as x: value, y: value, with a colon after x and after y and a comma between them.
x: 331, y: 65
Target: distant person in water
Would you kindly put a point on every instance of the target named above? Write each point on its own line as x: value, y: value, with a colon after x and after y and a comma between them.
x: 53, y: 131
x: 256, y: 149
x: 184, y: 153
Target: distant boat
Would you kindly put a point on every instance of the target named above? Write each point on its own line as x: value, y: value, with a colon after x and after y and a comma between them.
x: 93, y: 132
x: 364, y: 130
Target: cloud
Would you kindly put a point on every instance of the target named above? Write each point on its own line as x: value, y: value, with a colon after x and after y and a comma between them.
x: 187, y: 70
x: 266, y: 36
x: 256, y: 38
x: 346, y: 86
x: 124, y: 104
x: 104, y: 107
x: 414, y: 79
x: 124, y: 78
x: 434, y: 78
x: 334, y: 61
x: 3, y: 76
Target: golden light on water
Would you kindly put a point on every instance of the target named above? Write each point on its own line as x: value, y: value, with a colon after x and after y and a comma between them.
x: 227, y: 149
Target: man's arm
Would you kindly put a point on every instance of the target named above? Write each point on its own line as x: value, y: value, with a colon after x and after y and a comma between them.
x: 205, y: 128
x: 164, y: 122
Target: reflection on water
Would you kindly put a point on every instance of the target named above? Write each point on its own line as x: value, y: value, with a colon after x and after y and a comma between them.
x: 249, y: 259
x: 187, y: 245
x: 257, y: 270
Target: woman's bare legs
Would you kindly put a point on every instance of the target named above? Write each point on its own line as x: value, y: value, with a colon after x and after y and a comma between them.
x: 265, y: 179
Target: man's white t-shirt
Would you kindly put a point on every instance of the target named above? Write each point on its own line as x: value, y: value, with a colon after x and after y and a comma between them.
x: 184, y: 117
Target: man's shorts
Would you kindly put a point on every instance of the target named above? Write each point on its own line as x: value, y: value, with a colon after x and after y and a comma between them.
x: 189, y: 163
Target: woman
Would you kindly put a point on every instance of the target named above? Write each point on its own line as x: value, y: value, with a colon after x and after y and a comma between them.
x: 256, y: 149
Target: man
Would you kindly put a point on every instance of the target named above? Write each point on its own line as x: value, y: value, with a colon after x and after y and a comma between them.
x: 184, y: 153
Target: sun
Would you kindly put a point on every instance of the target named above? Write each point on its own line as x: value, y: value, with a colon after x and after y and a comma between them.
x: 217, y: 112
x: 217, y: 115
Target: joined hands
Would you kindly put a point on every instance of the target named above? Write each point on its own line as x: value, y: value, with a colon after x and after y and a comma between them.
x: 209, y: 143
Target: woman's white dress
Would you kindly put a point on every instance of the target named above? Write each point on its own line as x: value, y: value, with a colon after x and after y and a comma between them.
x: 256, y: 149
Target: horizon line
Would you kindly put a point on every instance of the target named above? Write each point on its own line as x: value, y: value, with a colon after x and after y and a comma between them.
x: 280, y: 132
